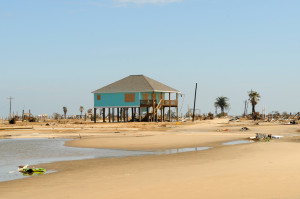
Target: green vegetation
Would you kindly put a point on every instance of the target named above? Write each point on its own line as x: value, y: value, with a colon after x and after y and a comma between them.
x: 254, y: 97
x: 81, y: 109
x: 222, y: 103
x: 65, y: 109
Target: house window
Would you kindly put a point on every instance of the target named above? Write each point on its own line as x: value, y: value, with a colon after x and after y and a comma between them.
x: 132, y: 97
x: 129, y: 97
x: 161, y: 96
x: 145, y: 96
x: 98, y: 97
x: 154, y: 96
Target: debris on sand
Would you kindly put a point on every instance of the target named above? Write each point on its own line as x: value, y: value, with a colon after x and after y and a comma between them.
x: 291, y: 122
x: 26, y: 170
x: 220, y: 130
x: 265, y: 137
x: 245, y: 129
x: 276, y: 136
x: 235, y: 119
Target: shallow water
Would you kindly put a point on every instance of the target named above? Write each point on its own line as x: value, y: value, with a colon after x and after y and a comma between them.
x: 16, y: 152
x: 237, y: 142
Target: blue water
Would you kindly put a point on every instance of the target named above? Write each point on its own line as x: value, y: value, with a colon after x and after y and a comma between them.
x: 16, y: 152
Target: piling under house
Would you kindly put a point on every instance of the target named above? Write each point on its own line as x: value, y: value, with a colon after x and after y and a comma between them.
x: 136, y: 98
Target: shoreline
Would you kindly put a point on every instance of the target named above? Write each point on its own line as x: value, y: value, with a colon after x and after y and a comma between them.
x: 245, y: 167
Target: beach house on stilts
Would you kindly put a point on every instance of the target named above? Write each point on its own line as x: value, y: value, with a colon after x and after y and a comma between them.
x: 136, y: 98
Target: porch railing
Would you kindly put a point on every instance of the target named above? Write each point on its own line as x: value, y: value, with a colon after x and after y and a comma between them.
x: 170, y: 103
x: 148, y: 103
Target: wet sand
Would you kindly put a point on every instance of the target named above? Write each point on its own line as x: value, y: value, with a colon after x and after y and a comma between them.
x: 257, y: 170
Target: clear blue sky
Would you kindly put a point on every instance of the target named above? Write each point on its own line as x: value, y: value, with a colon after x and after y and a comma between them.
x: 53, y: 53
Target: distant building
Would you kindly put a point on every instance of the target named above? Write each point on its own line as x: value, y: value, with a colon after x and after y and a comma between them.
x: 138, y: 94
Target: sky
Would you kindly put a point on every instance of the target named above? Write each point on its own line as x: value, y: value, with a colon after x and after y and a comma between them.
x: 54, y: 53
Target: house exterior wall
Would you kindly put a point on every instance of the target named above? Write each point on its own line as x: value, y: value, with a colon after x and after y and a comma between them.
x: 115, y: 100
x: 118, y: 99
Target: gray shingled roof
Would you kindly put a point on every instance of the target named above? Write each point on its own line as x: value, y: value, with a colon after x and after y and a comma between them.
x: 136, y: 83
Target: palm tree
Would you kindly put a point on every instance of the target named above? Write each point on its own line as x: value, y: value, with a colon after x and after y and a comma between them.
x: 65, y: 109
x: 81, y: 110
x: 222, y: 103
x: 254, y: 97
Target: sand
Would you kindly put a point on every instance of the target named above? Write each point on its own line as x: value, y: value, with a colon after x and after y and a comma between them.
x: 256, y: 170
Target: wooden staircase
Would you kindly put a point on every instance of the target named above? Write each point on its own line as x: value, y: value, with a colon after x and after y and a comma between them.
x: 151, y: 115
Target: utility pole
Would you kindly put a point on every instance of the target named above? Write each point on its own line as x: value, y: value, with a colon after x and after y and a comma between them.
x: 246, y: 108
x: 264, y: 111
x: 10, y: 99
x: 195, y: 102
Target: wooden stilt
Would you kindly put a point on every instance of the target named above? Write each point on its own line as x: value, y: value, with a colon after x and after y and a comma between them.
x: 95, y: 115
x: 113, y: 115
x: 135, y: 114
x: 147, y: 114
x: 140, y: 114
x: 127, y: 114
x: 103, y: 114
x: 124, y: 114
x: 177, y: 107
x: 109, y: 117
x: 132, y: 114
x: 169, y: 107
x: 118, y: 115
x: 161, y: 106
x: 153, y: 107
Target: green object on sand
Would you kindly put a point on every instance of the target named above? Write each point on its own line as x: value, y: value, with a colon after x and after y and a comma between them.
x: 34, y: 170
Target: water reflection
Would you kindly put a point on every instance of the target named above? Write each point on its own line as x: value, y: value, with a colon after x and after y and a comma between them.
x: 237, y: 142
x: 182, y: 150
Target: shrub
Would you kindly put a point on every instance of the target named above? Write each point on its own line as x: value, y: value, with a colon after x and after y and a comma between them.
x: 12, y: 121
x: 32, y: 119
x: 56, y: 116
x: 222, y: 115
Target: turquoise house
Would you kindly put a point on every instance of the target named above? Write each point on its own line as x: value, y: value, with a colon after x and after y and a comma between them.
x: 146, y: 98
